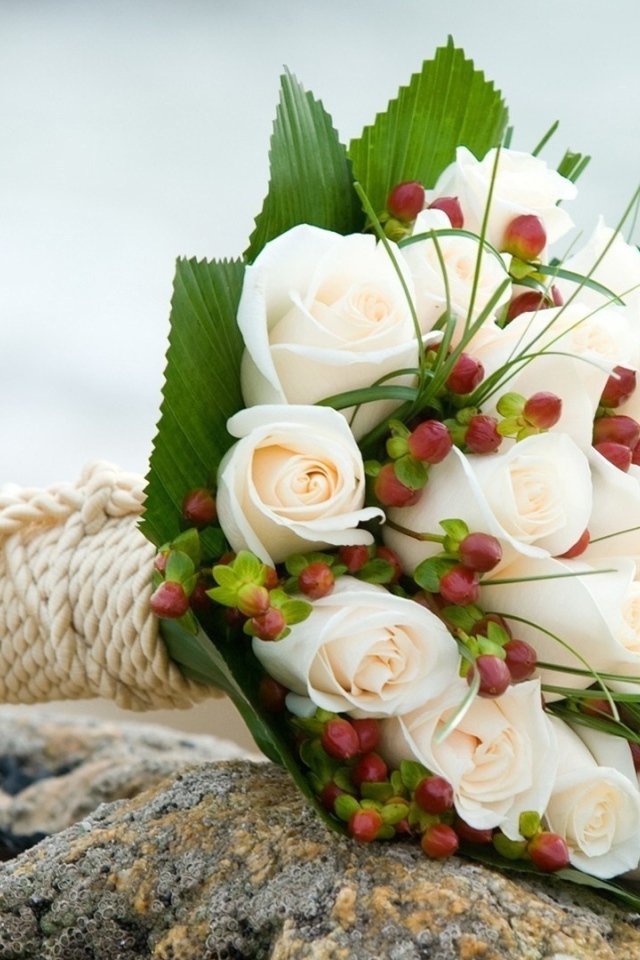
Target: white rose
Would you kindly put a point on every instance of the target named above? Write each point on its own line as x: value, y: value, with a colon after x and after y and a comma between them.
x: 460, y: 256
x: 596, y: 809
x: 536, y: 499
x: 614, y: 524
x: 583, y: 612
x: 365, y: 652
x: 618, y: 270
x: 580, y: 346
x: 523, y: 185
x: 321, y: 314
x: 294, y: 481
x: 500, y: 759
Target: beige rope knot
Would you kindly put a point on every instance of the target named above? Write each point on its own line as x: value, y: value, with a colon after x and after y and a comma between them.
x: 75, y: 582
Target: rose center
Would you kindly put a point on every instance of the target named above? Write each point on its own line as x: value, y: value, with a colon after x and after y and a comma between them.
x: 285, y: 479
x: 500, y: 767
x: 631, y: 619
x: 536, y: 495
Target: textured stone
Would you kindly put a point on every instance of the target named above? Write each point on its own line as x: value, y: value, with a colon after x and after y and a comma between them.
x: 227, y: 862
x: 54, y: 770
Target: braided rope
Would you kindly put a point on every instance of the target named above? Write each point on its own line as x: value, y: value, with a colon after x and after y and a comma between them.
x: 75, y: 582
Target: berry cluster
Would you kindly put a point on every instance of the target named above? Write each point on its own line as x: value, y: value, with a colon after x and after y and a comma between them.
x: 616, y: 436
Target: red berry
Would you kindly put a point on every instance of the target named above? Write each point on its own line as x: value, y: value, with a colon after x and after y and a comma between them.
x: 354, y: 558
x: 557, y: 297
x: 549, y: 852
x: 439, y: 841
x: 635, y: 455
x: 386, y: 553
x: 406, y: 200
x: 169, y: 601
x: 329, y: 795
x: 199, y: 507
x: 430, y: 441
x: 616, y: 429
x: 480, y: 552
x: 434, y: 794
x: 482, y: 435
x: 340, y: 740
x: 271, y: 578
x: 635, y: 754
x: 160, y: 562
x: 528, y: 302
x: 316, y: 580
x: 460, y: 586
x: 470, y: 834
x: 543, y: 410
x: 369, y: 734
x: 579, y: 547
x: 272, y: 695
x: 199, y: 599
x: 269, y: 625
x: 525, y: 237
x: 390, y: 492
x: 495, y: 675
x: 370, y: 768
x: 617, y: 454
x: 618, y: 387
x: 521, y: 661
x: 450, y: 206
x: 467, y: 373
x: 403, y: 829
x: 252, y: 600
x: 596, y: 707
x: 364, y: 825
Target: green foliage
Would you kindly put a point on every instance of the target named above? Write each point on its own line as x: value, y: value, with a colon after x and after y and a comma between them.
x: 447, y: 104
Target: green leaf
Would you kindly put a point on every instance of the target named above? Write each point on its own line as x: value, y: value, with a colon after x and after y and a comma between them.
x: 311, y: 179
x: 572, y: 165
x: 212, y: 543
x: 232, y: 667
x: 201, y: 390
x: 447, y: 104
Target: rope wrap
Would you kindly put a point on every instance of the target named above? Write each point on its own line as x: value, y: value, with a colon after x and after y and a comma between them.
x: 75, y: 582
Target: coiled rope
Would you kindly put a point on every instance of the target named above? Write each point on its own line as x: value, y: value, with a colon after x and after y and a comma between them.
x: 75, y: 582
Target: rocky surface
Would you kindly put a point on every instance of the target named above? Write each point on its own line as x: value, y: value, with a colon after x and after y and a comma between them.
x: 227, y: 862
x: 54, y: 770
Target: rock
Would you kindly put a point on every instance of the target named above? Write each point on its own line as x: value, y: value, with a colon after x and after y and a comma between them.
x: 227, y: 862
x: 54, y: 770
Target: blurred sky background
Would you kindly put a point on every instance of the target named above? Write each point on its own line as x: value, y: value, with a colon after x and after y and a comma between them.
x: 134, y: 131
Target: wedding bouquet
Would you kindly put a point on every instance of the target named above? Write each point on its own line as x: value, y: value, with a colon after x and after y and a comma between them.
x: 395, y: 488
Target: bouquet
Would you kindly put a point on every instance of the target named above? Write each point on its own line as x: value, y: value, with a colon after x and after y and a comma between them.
x: 395, y: 488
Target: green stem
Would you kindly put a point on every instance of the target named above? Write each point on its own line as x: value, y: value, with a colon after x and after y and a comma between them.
x: 430, y: 537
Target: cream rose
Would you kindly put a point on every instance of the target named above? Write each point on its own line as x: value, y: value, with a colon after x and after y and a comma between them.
x: 536, y: 499
x: 500, y: 759
x: 460, y: 255
x: 321, y: 314
x: 365, y: 652
x: 595, y: 808
x: 294, y: 481
x: 523, y: 185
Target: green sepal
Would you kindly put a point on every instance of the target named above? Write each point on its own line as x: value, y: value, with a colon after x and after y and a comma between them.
x: 248, y: 569
x: 497, y: 634
x: 345, y: 806
x: 189, y: 542
x: 397, y: 447
x: 381, y: 792
x: 465, y: 618
x: 411, y: 472
x: 225, y: 576
x: 397, y: 784
x: 509, y: 427
x: 342, y: 779
x: 412, y: 773
x: 487, y: 647
x: 511, y: 404
x: 295, y: 611
x: 372, y: 468
x: 510, y: 849
x: 376, y: 571
x: 419, y: 819
x: 529, y: 824
x: 398, y: 429
x: 393, y: 813
x: 179, y: 567
x: 428, y: 573
x: 520, y: 268
x: 457, y: 530
x: 386, y: 832
x: 225, y: 596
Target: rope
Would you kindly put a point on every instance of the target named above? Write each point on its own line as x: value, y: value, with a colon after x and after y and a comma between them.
x: 75, y: 582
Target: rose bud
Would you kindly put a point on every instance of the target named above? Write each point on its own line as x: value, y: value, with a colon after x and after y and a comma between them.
x: 617, y: 454
x: 528, y: 302
x: 525, y: 237
x: 316, y: 580
x: 543, y: 410
x: 495, y: 675
x: 460, y: 586
x: 169, y: 601
x: 439, y: 841
x: 406, y: 200
x: 480, y: 552
x: 199, y: 507
x: 450, y: 206
x: 467, y: 373
x: 616, y: 429
x: 619, y: 387
x: 482, y: 435
x: 391, y: 492
x: 430, y: 441
x: 549, y: 852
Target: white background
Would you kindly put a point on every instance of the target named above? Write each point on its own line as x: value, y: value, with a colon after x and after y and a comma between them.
x: 133, y: 132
